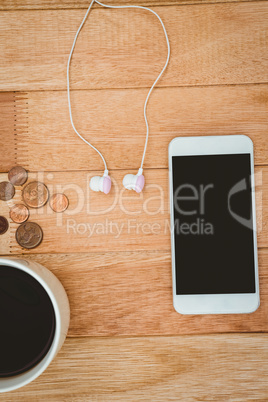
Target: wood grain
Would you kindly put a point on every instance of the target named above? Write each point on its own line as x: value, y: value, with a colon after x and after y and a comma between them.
x: 212, y: 45
x: 130, y: 293
x: 72, y: 4
x: 113, y: 121
x: 13, y: 121
x: 219, y: 44
x: 122, y: 221
x: 204, y: 368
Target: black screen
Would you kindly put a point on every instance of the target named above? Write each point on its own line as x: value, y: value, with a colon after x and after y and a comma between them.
x: 213, y: 228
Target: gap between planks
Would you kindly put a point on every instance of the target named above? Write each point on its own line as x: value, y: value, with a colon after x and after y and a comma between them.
x: 23, y: 6
x: 252, y: 84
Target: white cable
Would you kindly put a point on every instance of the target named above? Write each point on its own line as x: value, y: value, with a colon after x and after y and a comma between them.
x: 150, y: 91
x: 68, y: 86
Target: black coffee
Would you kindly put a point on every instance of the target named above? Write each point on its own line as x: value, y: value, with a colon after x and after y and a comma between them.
x: 27, y: 321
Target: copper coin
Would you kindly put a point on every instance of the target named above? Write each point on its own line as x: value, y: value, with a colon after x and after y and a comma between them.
x: 35, y: 194
x: 19, y: 213
x: 7, y: 191
x: 29, y: 235
x: 17, y: 176
x: 59, y: 202
x: 3, y: 225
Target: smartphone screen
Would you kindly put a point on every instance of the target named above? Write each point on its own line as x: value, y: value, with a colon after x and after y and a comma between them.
x: 213, y: 225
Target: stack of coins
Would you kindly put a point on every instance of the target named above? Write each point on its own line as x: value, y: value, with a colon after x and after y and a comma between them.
x: 35, y: 195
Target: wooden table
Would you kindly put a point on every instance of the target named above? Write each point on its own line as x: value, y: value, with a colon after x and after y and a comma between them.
x: 125, y: 341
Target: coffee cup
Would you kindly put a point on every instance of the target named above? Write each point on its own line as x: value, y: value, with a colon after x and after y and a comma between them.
x: 35, y: 315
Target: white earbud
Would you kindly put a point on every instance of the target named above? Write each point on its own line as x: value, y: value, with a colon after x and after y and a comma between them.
x: 101, y: 183
x: 134, y: 181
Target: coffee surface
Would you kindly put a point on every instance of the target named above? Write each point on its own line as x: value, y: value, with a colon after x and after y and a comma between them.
x: 27, y: 321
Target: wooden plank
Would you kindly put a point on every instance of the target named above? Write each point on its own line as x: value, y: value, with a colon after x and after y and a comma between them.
x: 203, y: 368
x: 67, y: 4
x: 112, y: 52
x: 113, y: 121
x: 130, y: 293
x: 122, y: 221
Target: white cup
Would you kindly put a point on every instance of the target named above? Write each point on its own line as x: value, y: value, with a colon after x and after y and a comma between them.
x: 60, y: 303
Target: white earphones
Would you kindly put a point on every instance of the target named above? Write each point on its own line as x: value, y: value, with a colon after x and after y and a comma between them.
x: 130, y: 181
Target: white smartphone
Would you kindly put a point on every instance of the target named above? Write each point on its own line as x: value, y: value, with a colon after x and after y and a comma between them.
x: 213, y: 225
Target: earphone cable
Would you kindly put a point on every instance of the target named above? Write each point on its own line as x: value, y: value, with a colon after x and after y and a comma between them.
x: 68, y: 86
x: 150, y: 91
